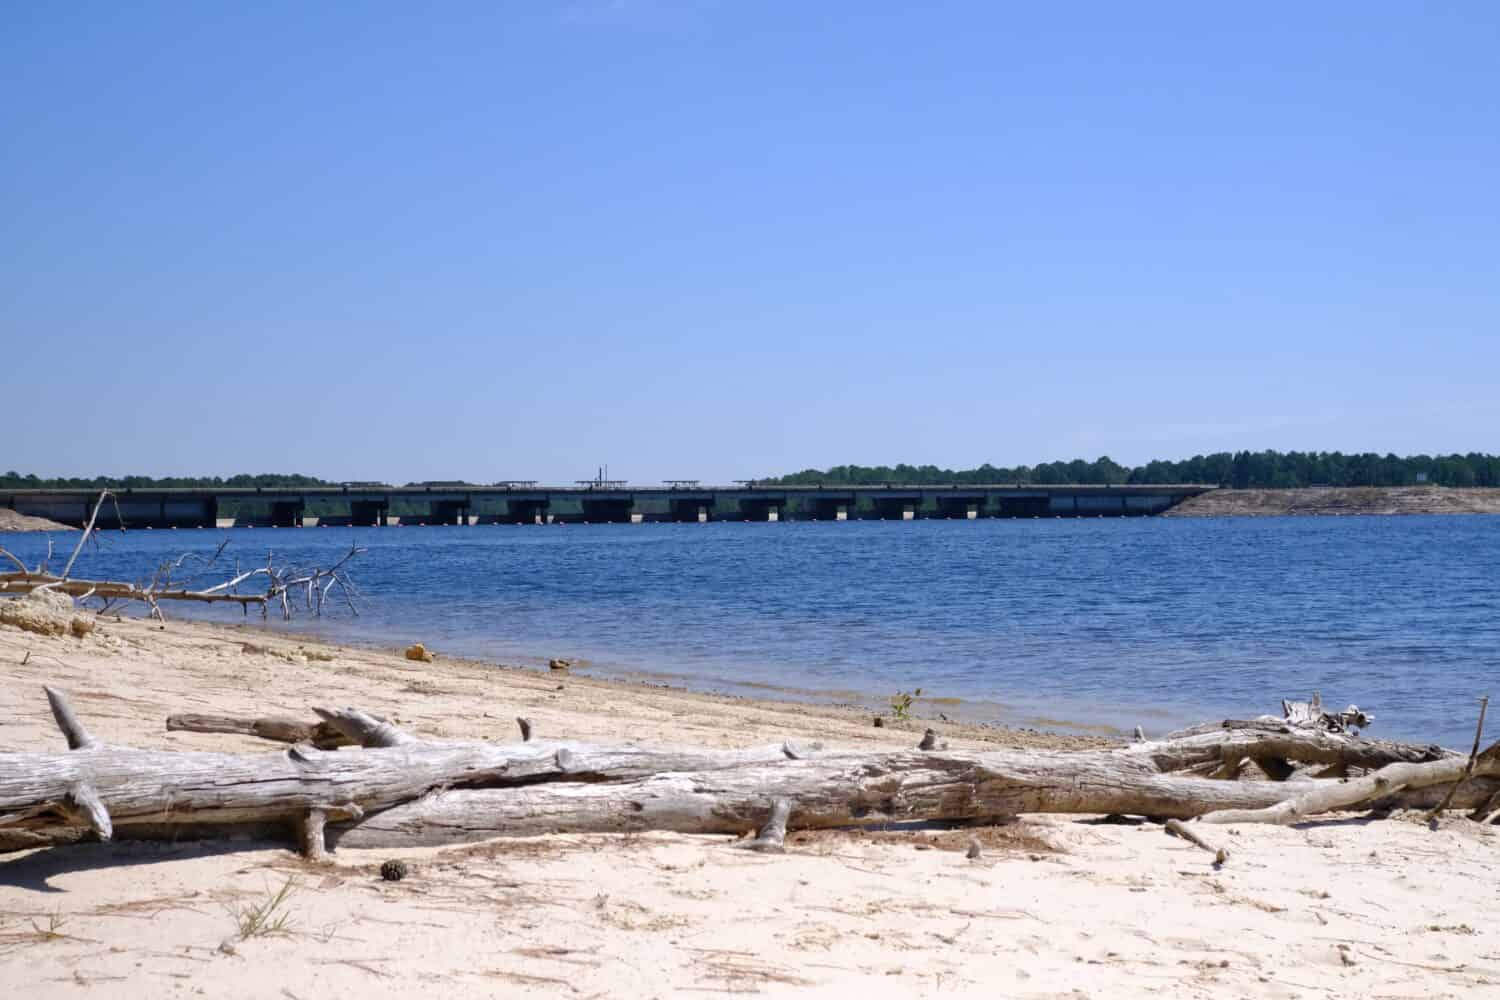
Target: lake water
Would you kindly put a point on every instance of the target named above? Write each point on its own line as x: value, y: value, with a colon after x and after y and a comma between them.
x: 1109, y: 622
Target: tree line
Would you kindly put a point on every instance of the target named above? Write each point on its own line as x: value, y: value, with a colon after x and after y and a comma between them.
x: 15, y: 481
x: 1240, y: 470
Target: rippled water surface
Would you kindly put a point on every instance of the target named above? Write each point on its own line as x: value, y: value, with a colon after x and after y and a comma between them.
x: 1088, y: 622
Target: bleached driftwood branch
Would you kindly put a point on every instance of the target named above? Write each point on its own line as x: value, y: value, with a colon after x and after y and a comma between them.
x: 395, y: 789
x: 319, y: 733
x: 283, y: 585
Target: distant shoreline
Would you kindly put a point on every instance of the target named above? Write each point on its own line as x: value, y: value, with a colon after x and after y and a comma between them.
x: 12, y: 521
x: 1340, y: 500
x: 1329, y: 501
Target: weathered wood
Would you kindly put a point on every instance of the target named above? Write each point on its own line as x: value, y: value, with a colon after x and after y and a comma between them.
x: 311, y: 829
x: 152, y: 787
x: 155, y: 786
x: 88, y: 530
x: 1484, y: 705
x: 78, y: 737
x: 280, y: 730
x: 772, y: 836
x: 90, y: 810
x: 1270, y: 739
x: 395, y: 790
x: 1316, y: 797
x: 282, y: 583
x: 1303, y: 713
x: 1312, y: 714
x: 364, y: 729
x: 1178, y: 828
x: 24, y: 583
x: 852, y: 790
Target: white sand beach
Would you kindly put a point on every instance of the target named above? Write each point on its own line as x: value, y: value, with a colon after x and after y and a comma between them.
x: 1054, y: 906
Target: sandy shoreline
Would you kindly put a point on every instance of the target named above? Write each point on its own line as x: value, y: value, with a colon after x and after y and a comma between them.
x: 967, y: 714
x: 1056, y: 907
x: 14, y: 522
x: 1224, y: 501
x: 1340, y: 501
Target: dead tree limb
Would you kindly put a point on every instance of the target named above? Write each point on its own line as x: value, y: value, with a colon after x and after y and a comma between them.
x: 1274, y: 739
x: 88, y: 529
x: 772, y: 836
x: 398, y: 790
x: 78, y: 737
x: 1178, y: 828
x: 281, y: 582
x: 1330, y: 796
x: 281, y: 730
x: 1484, y: 704
x: 22, y: 583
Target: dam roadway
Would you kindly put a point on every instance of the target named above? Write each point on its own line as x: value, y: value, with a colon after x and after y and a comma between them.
x: 370, y: 504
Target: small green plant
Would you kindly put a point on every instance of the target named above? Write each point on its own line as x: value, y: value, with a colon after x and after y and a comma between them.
x: 269, y: 916
x: 901, y: 703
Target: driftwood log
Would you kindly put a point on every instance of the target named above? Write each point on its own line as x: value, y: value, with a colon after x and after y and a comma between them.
x: 110, y: 590
x: 392, y: 789
x: 270, y: 727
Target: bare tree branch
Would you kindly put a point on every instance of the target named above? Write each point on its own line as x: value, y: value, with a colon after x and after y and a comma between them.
x: 282, y: 583
x: 88, y: 530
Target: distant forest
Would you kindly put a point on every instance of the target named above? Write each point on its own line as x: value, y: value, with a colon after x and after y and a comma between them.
x: 1241, y: 470
x: 14, y: 480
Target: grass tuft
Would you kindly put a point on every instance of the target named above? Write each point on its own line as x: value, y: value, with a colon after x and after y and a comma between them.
x: 269, y: 916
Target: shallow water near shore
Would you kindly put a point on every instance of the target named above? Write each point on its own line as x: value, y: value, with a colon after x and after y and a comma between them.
x: 1104, y: 622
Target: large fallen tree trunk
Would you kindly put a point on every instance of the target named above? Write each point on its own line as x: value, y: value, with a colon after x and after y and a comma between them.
x: 395, y: 790
x: 843, y: 790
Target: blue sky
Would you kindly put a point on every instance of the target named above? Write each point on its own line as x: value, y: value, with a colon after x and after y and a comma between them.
x: 727, y: 239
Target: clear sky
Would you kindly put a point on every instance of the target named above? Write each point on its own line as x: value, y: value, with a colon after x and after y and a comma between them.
x: 728, y: 239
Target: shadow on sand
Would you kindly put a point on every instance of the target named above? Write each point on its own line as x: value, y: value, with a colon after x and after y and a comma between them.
x: 34, y: 870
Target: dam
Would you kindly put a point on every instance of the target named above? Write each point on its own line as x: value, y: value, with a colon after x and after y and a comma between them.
x: 379, y: 505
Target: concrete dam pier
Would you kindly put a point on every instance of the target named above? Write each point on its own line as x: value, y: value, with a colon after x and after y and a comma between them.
x: 375, y: 505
